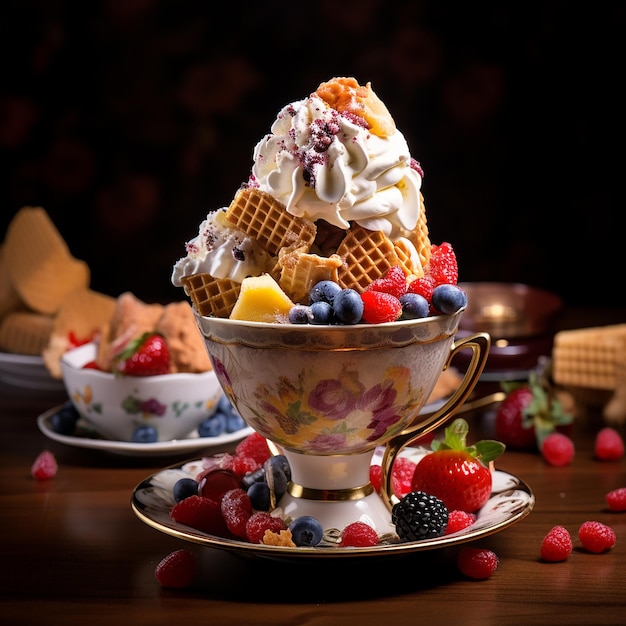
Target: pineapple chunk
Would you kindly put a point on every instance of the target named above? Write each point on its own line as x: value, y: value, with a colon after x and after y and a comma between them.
x: 261, y: 300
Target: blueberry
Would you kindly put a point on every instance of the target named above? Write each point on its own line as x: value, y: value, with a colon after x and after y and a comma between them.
x: 306, y: 531
x: 321, y: 313
x: 257, y: 476
x: 300, y: 314
x: 185, y: 487
x: 414, y: 306
x: 448, y: 299
x: 278, y: 462
x: 145, y: 434
x: 213, y: 426
x: 324, y: 291
x: 234, y: 422
x: 276, y: 479
x: 348, y: 306
x: 65, y: 419
x: 259, y: 494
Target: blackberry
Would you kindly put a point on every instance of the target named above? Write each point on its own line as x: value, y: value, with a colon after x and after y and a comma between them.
x: 419, y: 516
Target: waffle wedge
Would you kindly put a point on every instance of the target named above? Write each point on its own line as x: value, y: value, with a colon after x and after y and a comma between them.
x: 265, y: 219
x: 211, y: 296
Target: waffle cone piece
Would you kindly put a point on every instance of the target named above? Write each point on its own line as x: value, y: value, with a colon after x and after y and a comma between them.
x: 366, y: 255
x: 419, y: 236
x: 265, y: 219
x: 211, y: 296
x: 40, y: 266
x: 300, y: 271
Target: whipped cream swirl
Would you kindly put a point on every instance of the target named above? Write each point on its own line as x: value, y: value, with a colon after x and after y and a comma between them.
x: 323, y: 164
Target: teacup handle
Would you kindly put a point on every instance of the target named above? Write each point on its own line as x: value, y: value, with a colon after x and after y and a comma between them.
x: 479, y: 343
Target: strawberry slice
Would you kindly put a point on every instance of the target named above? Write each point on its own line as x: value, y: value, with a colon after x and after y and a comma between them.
x: 146, y: 356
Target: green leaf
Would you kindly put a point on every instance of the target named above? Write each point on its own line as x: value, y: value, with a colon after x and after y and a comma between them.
x: 488, y: 450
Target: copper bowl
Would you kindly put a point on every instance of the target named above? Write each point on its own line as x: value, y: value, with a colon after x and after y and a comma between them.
x: 520, y: 319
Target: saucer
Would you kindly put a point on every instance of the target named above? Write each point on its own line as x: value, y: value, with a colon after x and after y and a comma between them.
x: 87, y: 437
x: 511, y: 500
x: 27, y: 372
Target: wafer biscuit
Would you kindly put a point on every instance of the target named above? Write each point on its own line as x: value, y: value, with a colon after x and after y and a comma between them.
x: 300, y: 271
x: 587, y: 357
x: 9, y: 298
x: 25, y: 332
x: 366, y: 255
x: 419, y: 236
x: 40, y: 266
x: 265, y: 219
x: 211, y: 296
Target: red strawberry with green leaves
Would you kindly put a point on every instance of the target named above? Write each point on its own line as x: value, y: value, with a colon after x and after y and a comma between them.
x: 529, y: 413
x: 146, y: 356
x: 456, y: 473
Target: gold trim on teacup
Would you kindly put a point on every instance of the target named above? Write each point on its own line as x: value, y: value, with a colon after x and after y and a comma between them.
x: 330, y: 495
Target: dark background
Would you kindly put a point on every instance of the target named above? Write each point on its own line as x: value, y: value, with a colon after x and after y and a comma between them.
x: 129, y: 120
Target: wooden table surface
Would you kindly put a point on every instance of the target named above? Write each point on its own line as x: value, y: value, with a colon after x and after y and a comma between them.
x: 73, y: 552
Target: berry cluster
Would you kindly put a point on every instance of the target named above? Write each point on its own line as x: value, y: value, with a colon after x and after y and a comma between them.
x: 392, y: 297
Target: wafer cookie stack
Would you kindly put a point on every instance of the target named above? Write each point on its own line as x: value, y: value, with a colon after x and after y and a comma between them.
x: 590, y: 363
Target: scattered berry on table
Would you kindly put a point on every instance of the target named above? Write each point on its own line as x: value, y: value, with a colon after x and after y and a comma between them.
x: 556, y: 545
x: 459, y: 520
x: 558, y: 449
x: 596, y: 537
x: 358, y: 535
x: 177, y: 570
x: 457, y: 473
x: 306, y: 531
x: 419, y: 515
x: 608, y: 445
x: 45, y: 466
x: 616, y: 499
x: 477, y: 563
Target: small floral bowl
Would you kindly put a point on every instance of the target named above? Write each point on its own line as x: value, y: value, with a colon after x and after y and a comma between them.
x: 138, y: 408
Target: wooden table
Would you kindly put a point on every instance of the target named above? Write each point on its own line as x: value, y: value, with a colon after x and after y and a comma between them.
x: 73, y: 552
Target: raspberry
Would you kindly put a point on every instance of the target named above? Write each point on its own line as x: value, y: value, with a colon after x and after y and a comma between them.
x: 442, y: 267
x: 236, y: 510
x: 422, y: 286
x: 401, y: 476
x: 558, y: 449
x: 44, y: 467
x: 478, y: 563
x: 242, y: 465
x: 616, y: 499
x: 393, y: 282
x: 176, y: 570
x: 359, y: 535
x: 255, y: 446
x: 261, y: 521
x: 556, y: 545
x: 609, y: 445
x: 380, y: 307
x: 458, y: 520
x: 596, y: 537
x: 200, y: 513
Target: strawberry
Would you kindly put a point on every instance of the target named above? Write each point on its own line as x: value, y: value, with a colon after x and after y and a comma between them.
x: 146, y: 356
x: 456, y: 473
x: 380, y: 307
x: 529, y: 413
x: 393, y: 282
x: 443, y: 267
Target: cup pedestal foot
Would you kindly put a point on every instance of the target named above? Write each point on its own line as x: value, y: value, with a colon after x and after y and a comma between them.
x: 336, y: 490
